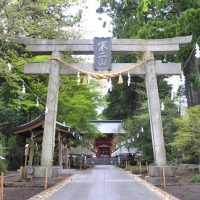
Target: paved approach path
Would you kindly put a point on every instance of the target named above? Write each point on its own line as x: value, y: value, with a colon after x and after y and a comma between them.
x: 104, y: 182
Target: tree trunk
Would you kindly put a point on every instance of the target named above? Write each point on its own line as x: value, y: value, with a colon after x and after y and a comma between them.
x: 191, y: 69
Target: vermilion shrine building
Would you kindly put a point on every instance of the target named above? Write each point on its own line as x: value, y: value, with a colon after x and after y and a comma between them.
x: 104, y: 147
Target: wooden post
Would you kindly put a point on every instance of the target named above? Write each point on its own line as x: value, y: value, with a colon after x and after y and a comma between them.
x: 46, y: 179
x: 25, y: 167
x: 164, y: 180
x: 20, y: 172
x: 81, y: 164
x: 60, y: 152
x: 140, y: 168
x: 65, y: 156
x: 147, y: 168
x: 2, y: 183
x: 31, y: 152
x: 69, y: 165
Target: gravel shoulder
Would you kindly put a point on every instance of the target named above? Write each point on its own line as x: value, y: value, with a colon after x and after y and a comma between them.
x: 19, y: 190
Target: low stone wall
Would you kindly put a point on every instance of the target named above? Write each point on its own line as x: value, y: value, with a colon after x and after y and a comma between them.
x: 189, y: 167
x: 40, y: 171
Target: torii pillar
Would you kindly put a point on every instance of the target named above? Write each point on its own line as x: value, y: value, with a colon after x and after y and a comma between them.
x: 154, y: 111
x: 51, y: 112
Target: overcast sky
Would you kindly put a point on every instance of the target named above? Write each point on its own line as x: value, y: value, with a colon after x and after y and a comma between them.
x: 91, y: 24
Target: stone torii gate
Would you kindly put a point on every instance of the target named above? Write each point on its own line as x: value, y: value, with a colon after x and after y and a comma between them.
x: 150, y: 69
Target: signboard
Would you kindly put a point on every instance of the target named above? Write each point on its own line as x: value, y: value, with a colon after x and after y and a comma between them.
x: 102, y: 54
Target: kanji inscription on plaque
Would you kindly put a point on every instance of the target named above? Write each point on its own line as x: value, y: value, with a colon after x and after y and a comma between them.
x: 102, y: 54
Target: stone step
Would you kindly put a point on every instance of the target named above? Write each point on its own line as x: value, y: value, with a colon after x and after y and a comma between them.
x: 103, y: 161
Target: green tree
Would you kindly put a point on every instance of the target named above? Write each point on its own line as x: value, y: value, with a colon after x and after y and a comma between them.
x: 2, y: 154
x: 140, y: 139
x: 42, y: 19
x: 143, y: 140
x: 167, y: 18
x: 169, y: 112
x: 78, y: 105
x: 124, y: 100
x: 38, y: 19
x: 187, y: 139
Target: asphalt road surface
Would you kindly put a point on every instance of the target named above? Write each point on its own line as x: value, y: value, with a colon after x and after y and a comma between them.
x: 104, y: 182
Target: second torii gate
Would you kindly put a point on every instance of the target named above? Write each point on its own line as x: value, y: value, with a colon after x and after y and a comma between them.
x: 150, y: 69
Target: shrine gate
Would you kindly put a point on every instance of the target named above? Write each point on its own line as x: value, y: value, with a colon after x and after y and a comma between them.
x: 147, y: 66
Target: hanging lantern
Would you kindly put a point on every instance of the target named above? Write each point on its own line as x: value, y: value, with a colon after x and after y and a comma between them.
x: 120, y: 81
x: 85, y: 80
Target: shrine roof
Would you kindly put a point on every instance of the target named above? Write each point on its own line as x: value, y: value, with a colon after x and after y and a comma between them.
x: 38, y: 125
x: 124, y: 151
x: 109, y: 126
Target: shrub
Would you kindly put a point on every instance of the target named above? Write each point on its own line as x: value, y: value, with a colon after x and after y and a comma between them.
x: 128, y: 168
x: 196, y: 178
x: 3, y: 166
x: 136, y: 169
